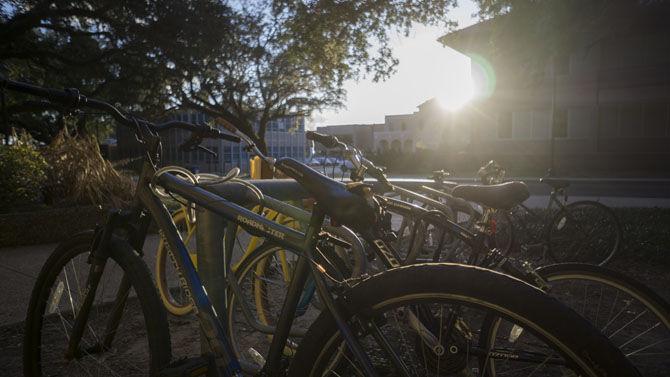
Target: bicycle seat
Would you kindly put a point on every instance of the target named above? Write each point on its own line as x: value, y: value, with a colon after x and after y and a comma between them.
x: 555, y: 183
x: 501, y: 196
x: 342, y: 205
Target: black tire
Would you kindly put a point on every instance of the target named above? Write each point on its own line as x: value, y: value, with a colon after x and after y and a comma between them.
x: 150, y: 319
x: 646, y: 316
x: 570, y: 236
x: 478, y: 288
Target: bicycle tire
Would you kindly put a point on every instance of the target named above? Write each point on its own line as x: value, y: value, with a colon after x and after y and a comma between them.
x: 651, y: 302
x: 173, y: 305
x: 155, y: 318
x: 559, y: 221
x: 472, y: 285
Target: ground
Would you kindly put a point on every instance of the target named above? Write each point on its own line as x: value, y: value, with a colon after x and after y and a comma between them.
x: 19, y: 266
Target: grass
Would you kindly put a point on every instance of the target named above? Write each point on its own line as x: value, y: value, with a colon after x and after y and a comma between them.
x: 646, y: 234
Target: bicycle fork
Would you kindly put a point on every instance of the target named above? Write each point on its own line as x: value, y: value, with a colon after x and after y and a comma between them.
x: 100, y: 252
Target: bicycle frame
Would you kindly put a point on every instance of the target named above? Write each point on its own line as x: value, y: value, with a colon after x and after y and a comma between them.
x: 147, y: 206
x: 545, y: 218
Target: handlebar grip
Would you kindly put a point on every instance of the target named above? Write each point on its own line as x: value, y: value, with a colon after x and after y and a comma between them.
x: 217, y: 134
x: 376, y: 173
x: 327, y: 141
x: 67, y: 97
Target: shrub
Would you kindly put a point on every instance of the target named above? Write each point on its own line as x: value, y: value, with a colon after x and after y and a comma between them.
x: 22, y: 173
x: 78, y: 174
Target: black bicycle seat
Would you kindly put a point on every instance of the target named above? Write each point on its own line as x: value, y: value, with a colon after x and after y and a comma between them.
x: 501, y: 196
x: 555, y: 183
x: 341, y: 204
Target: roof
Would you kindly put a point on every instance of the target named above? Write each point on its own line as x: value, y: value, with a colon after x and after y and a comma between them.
x: 428, y: 103
x: 471, y: 38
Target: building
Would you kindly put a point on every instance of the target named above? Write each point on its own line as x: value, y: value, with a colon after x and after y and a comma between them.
x: 601, y: 106
x: 284, y: 137
x: 431, y: 127
x: 360, y: 135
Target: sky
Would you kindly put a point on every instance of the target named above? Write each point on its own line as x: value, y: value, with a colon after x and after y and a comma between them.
x: 427, y: 69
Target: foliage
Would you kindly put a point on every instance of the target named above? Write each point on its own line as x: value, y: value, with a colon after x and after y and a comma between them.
x: 79, y: 174
x: 120, y: 51
x: 22, y: 172
x: 293, y: 57
x: 646, y: 234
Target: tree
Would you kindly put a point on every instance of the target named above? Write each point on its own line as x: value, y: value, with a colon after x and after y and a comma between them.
x: 121, y: 51
x: 293, y: 57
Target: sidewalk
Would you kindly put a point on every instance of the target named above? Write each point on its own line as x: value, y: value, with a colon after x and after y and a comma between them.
x: 19, y: 267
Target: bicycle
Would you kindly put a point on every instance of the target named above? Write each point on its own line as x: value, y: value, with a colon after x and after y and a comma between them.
x: 185, y: 220
x: 632, y: 314
x: 583, y: 231
x: 354, y: 333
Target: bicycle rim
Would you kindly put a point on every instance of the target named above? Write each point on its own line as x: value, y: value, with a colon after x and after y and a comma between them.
x: 630, y: 315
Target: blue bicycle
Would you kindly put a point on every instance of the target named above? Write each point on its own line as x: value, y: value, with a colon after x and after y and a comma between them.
x: 94, y: 309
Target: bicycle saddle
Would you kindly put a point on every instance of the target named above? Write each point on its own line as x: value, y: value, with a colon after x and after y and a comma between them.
x: 501, y: 196
x: 556, y: 183
x: 342, y: 205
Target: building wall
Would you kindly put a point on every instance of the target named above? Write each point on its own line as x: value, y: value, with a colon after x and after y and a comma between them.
x: 612, y: 109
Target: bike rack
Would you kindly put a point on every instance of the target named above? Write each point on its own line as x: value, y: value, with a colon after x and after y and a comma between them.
x: 212, y: 227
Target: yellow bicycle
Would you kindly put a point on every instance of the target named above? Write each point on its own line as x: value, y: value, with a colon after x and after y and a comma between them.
x: 173, y: 297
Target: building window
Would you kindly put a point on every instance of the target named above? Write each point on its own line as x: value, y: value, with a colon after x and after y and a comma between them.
x: 655, y: 119
x: 562, y: 64
x: 523, y: 124
x: 403, y: 126
x: 630, y: 121
x: 560, y: 126
x: 608, y: 121
x: 505, y: 125
x: 227, y: 154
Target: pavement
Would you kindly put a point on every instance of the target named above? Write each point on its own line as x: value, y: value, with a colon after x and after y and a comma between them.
x: 613, y: 192
x: 19, y: 267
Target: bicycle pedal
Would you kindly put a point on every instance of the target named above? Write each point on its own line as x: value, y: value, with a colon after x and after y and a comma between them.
x: 187, y: 367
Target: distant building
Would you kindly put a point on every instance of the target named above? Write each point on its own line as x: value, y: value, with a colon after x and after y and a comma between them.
x: 432, y: 127
x: 284, y: 137
x: 602, y: 106
x: 429, y: 128
x: 360, y: 135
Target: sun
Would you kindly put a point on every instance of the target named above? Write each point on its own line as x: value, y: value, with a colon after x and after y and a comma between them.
x: 456, y: 95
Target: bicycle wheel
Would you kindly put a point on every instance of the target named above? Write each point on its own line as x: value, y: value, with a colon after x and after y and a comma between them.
x: 172, y: 294
x: 139, y: 345
x: 585, y: 232
x: 264, y: 276
x: 630, y: 314
x: 429, y: 327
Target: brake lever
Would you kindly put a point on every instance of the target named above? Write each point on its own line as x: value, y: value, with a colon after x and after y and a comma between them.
x: 207, y: 150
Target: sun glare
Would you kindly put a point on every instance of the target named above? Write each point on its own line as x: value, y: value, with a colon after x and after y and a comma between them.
x: 457, y: 95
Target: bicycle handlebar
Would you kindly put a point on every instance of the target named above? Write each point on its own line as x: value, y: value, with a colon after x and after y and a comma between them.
x: 73, y: 99
x: 355, y: 156
x: 328, y: 141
